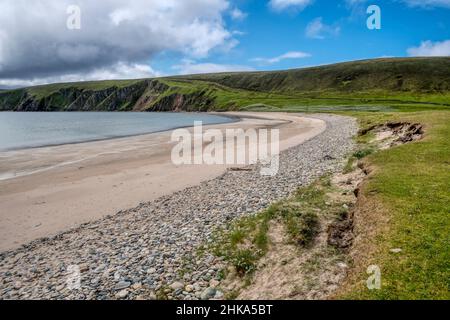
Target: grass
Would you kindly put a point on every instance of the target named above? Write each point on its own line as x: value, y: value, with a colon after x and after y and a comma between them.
x: 387, y: 75
x: 302, y: 226
x: 244, y: 242
x: 362, y: 153
x: 411, y: 186
x: 46, y: 90
x: 300, y: 214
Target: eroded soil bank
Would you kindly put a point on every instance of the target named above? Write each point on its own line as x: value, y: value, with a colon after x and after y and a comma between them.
x: 265, y: 258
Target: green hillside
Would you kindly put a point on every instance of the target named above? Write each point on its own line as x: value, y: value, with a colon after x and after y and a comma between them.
x: 403, y: 83
x: 382, y: 74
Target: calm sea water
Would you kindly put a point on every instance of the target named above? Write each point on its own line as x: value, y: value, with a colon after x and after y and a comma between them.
x: 35, y: 129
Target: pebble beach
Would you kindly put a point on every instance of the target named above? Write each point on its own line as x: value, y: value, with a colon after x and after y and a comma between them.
x: 135, y: 253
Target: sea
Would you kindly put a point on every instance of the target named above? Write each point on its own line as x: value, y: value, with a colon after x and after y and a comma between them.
x: 20, y: 130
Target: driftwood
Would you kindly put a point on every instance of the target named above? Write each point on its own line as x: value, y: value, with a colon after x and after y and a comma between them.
x: 240, y: 169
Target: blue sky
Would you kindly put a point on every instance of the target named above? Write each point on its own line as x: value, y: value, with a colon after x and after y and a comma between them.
x: 78, y: 40
x: 266, y: 33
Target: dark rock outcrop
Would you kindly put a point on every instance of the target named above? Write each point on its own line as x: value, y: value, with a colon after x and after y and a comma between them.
x: 145, y: 95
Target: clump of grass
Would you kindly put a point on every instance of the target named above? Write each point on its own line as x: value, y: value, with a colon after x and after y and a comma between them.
x: 261, y: 240
x: 237, y: 236
x: 301, y: 215
x: 349, y: 165
x: 244, y: 260
x: 244, y: 242
x: 302, y: 226
x: 312, y: 196
x: 362, y: 153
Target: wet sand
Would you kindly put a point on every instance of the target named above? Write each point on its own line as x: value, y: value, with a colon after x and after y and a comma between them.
x: 47, y: 190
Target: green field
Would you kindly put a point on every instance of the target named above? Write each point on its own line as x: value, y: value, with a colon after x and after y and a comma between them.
x: 408, y: 201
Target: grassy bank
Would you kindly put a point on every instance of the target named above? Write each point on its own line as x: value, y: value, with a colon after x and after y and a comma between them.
x: 407, y: 198
x: 401, y: 222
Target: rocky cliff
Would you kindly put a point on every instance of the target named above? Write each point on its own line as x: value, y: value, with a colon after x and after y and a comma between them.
x: 144, y: 95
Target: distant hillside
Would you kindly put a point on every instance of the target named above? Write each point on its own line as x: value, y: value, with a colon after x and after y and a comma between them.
x: 382, y: 81
x: 409, y: 74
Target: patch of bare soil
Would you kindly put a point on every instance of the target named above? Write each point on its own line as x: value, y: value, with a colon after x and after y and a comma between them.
x: 370, y: 219
x: 340, y: 231
x: 392, y: 134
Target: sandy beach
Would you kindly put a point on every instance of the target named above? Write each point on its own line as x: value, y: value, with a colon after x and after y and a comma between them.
x: 134, y: 253
x: 60, y: 187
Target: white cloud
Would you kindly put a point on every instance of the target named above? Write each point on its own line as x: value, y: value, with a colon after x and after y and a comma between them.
x: 430, y: 49
x: 237, y: 14
x: 316, y: 29
x: 280, y: 5
x: 287, y: 55
x: 35, y: 42
x: 120, y: 70
x: 191, y: 67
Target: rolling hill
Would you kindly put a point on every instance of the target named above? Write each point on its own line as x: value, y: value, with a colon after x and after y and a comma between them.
x: 397, y: 83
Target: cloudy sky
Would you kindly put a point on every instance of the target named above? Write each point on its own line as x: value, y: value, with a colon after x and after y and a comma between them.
x: 40, y: 41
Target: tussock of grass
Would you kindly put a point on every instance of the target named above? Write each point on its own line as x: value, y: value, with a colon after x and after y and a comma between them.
x: 300, y: 215
x: 349, y: 166
x: 302, y: 226
x: 362, y: 153
x: 244, y: 260
x: 244, y: 242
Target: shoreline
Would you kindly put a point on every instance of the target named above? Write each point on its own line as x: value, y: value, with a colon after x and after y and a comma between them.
x: 136, y: 253
x: 4, y: 153
x: 79, y: 183
x: 233, y: 118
